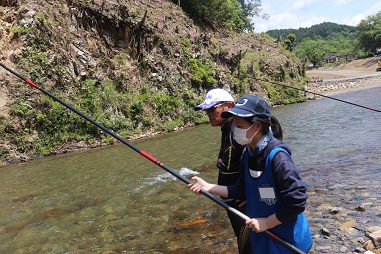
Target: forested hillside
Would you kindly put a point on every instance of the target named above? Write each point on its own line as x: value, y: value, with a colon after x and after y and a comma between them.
x: 325, y: 31
x: 316, y: 44
x: 137, y: 67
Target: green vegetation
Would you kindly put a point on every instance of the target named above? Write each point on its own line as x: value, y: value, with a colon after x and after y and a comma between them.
x: 234, y: 15
x: 315, y: 32
x: 18, y: 31
x: 289, y: 43
x: 3, y: 152
x: 202, y: 74
x: 312, y: 45
x: 369, y: 33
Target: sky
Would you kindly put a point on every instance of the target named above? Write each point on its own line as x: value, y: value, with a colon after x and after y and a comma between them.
x: 306, y: 13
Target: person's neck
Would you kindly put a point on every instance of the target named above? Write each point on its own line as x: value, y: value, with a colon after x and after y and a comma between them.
x: 255, y: 140
x: 222, y: 125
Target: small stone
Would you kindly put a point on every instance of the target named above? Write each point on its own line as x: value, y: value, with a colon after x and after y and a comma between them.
x: 361, y: 240
x: 359, y: 250
x: 376, y: 238
x: 368, y: 245
x: 334, y: 210
x: 360, y: 208
x: 343, y: 249
x: 325, y: 232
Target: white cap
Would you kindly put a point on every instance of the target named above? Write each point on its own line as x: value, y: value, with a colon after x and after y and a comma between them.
x: 213, y: 97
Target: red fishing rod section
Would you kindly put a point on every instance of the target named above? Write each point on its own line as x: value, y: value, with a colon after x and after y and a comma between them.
x: 154, y: 160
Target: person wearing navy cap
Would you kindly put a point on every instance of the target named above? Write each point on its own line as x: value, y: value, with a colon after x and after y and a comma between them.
x: 269, y: 181
x: 217, y: 101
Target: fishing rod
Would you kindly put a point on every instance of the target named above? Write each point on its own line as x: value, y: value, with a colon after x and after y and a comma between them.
x: 173, y: 172
x: 322, y: 95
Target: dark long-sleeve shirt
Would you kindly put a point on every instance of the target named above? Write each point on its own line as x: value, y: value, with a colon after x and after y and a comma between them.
x: 228, y: 162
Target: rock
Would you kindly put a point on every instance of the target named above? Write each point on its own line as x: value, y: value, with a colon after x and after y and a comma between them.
x: 343, y: 249
x: 334, y: 210
x: 368, y: 245
x: 322, y: 248
x: 360, y: 208
x: 376, y: 238
x: 325, y: 232
x: 359, y: 250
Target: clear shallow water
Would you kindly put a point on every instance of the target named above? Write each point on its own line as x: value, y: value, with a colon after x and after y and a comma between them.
x: 113, y: 199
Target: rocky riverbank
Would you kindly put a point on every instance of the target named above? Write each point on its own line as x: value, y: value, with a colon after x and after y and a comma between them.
x: 343, y: 228
x: 343, y: 85
x: 352, y: 76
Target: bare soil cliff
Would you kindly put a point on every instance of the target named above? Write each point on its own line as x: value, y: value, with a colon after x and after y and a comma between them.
x: 136, y: 66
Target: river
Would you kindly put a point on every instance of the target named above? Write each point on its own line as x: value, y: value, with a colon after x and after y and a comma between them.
x: 113, y: 200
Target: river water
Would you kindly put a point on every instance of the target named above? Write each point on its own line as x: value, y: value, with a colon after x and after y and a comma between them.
x: 113, y: 200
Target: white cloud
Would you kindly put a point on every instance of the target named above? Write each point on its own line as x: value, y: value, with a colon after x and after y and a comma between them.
x: 353, y: 21
x: 372, y: 10
x: 288, y: 20
x: 305, y: 13
x: 302, y: 4
x: 344, y: 2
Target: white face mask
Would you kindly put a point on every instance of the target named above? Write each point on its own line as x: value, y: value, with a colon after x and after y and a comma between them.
x: 240, y: 135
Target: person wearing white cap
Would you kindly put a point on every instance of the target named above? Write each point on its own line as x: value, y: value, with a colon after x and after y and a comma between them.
x: 217, y: 101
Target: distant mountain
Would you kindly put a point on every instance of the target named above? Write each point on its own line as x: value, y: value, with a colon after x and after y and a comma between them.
x: 320, y: 31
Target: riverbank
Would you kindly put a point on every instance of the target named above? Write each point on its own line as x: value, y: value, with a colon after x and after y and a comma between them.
x: 352, y: 76
x: 326, y: 87
x: 344, y: 85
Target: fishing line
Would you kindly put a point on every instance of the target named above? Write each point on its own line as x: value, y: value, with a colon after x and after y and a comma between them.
x: 322, y: 95
x: 156, y: 161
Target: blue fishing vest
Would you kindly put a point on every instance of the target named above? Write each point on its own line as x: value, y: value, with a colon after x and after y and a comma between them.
x: 262, y: 201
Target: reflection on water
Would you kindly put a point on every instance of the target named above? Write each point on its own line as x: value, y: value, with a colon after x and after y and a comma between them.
x: 113, y: 199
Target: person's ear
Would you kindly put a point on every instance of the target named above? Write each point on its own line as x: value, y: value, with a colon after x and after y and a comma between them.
x: 260, y: 126
x: 229, y: 104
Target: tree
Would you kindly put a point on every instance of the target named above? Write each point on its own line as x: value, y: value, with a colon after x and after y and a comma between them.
x: 370, y: 33
x: 315, y: 51
x: 289, y: 43
x: 320, y: 40
x: 319, y: 31
x: 234, y: 15
x: 251, y: 8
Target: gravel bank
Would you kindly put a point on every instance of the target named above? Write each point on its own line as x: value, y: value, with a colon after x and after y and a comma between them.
x: 343, y: 85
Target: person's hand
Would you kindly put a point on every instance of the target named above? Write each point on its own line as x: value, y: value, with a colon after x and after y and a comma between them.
x: 198, y: 185
x: 257, y: 224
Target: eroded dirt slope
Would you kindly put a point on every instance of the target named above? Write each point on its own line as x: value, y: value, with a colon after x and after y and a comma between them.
x: 357, y: 68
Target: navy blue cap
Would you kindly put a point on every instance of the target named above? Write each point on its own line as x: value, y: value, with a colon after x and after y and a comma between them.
x: 249, y: 106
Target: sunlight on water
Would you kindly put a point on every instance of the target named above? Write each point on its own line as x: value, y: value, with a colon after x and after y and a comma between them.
x: 165, y: 177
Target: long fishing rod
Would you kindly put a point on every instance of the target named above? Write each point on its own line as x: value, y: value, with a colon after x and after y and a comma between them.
x: 322, y: 95
x: 156, y: 161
